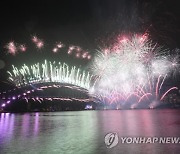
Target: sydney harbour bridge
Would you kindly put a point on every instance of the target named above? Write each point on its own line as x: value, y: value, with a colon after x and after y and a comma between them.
x: 48, y: 82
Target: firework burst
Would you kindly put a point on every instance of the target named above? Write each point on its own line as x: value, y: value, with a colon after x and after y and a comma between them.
x: 129, y: 67
x: 78, y: 52
x: 22, y: 48
x: 57, y: 47
x: 38, y: 42
x: 12, y: 48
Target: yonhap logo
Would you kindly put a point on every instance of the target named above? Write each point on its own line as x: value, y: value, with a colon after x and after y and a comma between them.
x: 111, y: 140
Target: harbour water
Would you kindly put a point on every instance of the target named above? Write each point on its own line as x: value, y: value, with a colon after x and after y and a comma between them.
x: 83, y: 132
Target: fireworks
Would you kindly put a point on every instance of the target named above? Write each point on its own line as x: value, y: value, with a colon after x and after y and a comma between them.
x: 79, y: 52
x: 35, y: 39
x: 22, y: 48
x: 49, y: 72
x: 55, y: 50
x: 74, y: 51
x: 11, y: 47
x: 38, y: 42
x: 57, y: 47
x: 60, y: 45
x: 130, y: 68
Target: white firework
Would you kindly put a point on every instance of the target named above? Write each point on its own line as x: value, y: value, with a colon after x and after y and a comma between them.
x: 130, y: 64
x: 50, y: 72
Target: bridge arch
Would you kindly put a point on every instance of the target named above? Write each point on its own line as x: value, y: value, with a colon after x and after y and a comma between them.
x: 40, y: 77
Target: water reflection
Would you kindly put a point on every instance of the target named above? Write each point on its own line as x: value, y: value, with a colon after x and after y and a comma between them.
x: 36, y: 124
x: 83, y: 132
x: 6, y: 127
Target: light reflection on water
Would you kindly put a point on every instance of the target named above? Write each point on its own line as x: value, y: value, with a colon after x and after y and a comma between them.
x: 84, y: 131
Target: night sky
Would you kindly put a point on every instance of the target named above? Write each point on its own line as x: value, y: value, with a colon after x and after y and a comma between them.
x: 89, y: 24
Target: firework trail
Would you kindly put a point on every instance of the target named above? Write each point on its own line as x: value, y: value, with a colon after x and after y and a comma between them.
x: 153, y: 95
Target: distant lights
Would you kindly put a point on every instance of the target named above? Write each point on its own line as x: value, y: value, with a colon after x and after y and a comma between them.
x: 3, y: 105
x: 13, y: 98
x: 88, y: 107
x: 28, y: 92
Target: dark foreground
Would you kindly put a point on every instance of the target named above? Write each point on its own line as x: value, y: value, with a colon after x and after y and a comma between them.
x: 82, y: 132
